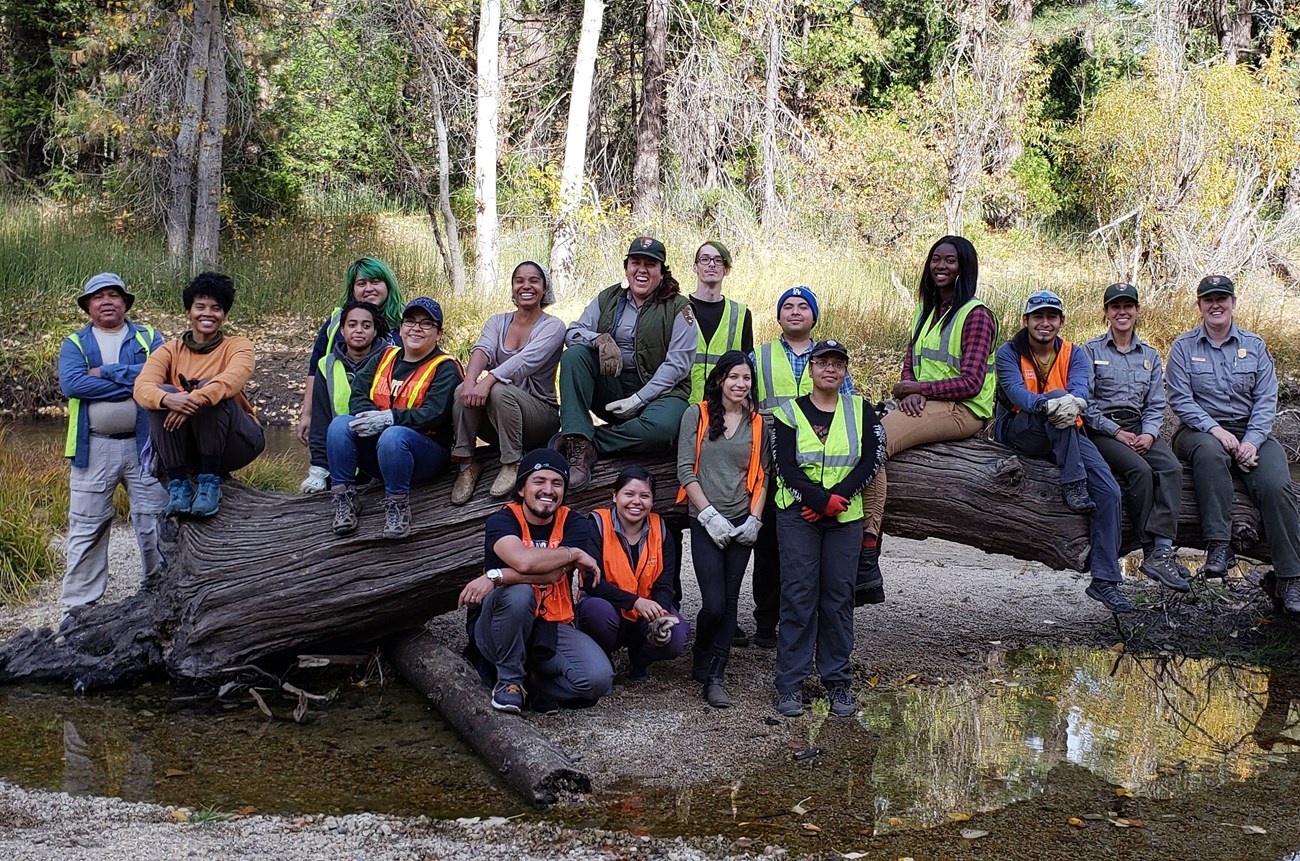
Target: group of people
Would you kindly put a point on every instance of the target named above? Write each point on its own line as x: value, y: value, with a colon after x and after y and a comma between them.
x: 778, y: 457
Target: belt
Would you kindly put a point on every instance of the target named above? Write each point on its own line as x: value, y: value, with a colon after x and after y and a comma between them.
x: 126, y: 435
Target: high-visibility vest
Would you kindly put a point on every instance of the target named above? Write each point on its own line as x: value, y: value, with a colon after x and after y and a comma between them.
x: 617, y: 567
x: 728, y: 336
x: 826, y: 464
x: 754, y: 474
x: 936, y: 355
x: 1057, y: 375
x: 332, y: 329
x: 337, y: 381
x: 776, y: 382
x: 411, y: 391
x: 554, y: 601
x: 74, y: 404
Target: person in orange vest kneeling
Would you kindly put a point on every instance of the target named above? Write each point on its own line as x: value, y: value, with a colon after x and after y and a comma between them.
x: 521, y: 608
x: 632, y: 605
x: 399, y: 425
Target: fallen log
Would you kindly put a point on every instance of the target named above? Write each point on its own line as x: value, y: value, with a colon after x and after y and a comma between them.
x: 267, y: 576
x: 523, y: 757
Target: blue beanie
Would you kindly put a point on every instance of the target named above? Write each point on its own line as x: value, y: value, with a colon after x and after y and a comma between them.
x: 804, y: 293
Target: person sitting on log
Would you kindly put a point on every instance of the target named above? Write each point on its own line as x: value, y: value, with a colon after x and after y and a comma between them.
x: 107, y: 434
x: 1042, y: 391
x: 508, y: 396
x: 782, y: 374
x: 368, y: 280
x: 1223, y: 388
x: 1126, y: 407
x: 399, y: 424
x: 200, y: 421
x: 947, y: 385
x: 632, y: 605
x: 364, y: 332
x: 629, y: 360
x: 828, y: 447
x: 524, y: 600
x: 723, y: 324
x: 722, y: 464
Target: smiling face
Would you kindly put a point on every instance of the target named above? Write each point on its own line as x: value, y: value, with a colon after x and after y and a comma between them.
x: 1044, y: 326
x: 633, y: 501
x: 206, y: 316
x: 359, y: 329
x: 372, y: 290
x: 737, y: 386
x: 542, y: 493
x: 527, y: 287
x: 796, y: 318
x: 644, y: 275
x: 829, y: 370
x: 107, y: 308
x: 1122, y: 316
x: 1217, y: 309
x: 944, y: 267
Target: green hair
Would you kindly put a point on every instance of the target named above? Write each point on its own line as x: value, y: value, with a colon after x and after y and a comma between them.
x: 373, y: 267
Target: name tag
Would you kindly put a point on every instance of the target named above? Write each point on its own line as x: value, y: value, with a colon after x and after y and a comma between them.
x: 1199, y: 359
x: 1101, y: 362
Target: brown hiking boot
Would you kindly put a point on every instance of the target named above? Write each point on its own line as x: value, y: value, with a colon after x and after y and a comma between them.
x: 463, y: 488
x: 581, y: 454
x: 397, y: 517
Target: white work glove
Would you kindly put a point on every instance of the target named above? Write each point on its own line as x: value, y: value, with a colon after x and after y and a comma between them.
x: 660, y: 631
x: 718, y: 527
x: 625, y: 408
x: 315, y: 480
x: 371, y: 422
x: 1062, y: 412
x: 747, y: 532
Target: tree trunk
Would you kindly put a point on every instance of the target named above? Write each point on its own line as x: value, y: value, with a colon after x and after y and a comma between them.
x: 207, y: 197
x: 1232, y: 20
x: 771, y: 92
x: 180, y: 186
x: 650, y: 123
x: 1020, y: 15
x: 575, y: 148
x: 266, y: 576
x: 485, y: 147
x: 453, y: 258
x: 1291, y: 200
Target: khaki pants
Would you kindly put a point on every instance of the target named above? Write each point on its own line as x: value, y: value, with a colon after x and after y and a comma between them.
x: 940, y: 421
x: 514, y: 419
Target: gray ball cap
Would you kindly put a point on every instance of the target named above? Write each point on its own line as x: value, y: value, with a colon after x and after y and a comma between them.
x: 103, y: 281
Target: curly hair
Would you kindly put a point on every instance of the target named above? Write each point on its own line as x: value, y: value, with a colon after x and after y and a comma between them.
x: 376, y: 313
x: 212, y: 285
x: 713, y: 390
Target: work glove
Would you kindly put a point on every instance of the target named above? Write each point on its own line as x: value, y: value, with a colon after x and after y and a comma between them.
x: 835, y: 506
x: 315, y: 480
x: 660, y: 631
x: 625, y: 408
x: 611, y: 357
x: 718, y: 527
x: 1062, y: 412
x: 371, y: 422
x: 809, y: 515
x: 747, y: 532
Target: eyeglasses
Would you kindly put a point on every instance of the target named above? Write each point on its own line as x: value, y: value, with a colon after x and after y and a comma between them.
x: 831, y: 363
x: 708, y: 260
x: 424, y: 325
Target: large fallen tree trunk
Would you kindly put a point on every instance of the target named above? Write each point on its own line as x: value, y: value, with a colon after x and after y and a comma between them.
x: 267, y: 575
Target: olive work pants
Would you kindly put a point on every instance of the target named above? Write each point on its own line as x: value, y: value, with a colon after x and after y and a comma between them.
x: 584, y: 391
x: 1152, y: 485
x: 516, y: 420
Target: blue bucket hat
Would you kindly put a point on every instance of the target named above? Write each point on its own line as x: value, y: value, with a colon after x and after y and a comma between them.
x: 104, y: 281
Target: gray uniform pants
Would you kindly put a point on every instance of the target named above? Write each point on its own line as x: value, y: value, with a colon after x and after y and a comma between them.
x: 1152, y: 485
x: 1267, y: 484
x: 90, y: 517
x: 819, y: 566
x: 514, y: 419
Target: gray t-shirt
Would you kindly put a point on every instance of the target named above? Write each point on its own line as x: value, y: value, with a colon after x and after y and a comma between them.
x: 531, y: 368
x: 724, y: 464
x: 110, y: 417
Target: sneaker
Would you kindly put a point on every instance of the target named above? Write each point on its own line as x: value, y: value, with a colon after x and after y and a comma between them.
x: 789, y: 704
x: 842, y: 704
x: 1288, y: 593
x: 715, y: 694
x: 1075, y: 494
x: 1218, y: 559
x: 463, y: 488
x: 207, y: 500
x: 504, y: 484
x: 870, y: 588
x: 180, y: 497
x: 1161, y: 567
x: 765, y: 638
x: 508, y: 697
x: 543, y: 705
x: 397, y: 516
x: 347, y: 507
x: 1110, y: 596
x: 581, y: 454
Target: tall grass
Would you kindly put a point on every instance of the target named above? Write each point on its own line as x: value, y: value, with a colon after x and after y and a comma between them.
x: 34, y: 502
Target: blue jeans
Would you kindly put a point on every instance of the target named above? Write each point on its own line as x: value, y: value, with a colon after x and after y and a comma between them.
x: 401, y: 455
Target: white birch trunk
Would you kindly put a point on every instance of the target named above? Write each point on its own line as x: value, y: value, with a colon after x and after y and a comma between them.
x: 455, y: 259
x: 207, y: 196
x: 180, y: 190
x: 485, y: 147
x: 770, y: 94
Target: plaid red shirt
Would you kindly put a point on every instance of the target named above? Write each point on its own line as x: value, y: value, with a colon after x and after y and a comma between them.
x: 977, y: 335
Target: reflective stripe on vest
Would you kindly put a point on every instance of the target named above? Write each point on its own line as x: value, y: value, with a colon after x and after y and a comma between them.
x: 728, y: 336
x: 936, y: 355
x: 776, y: 382
x: 74, y: 404
x: 826, y: 464
x: 754, y: 474
x: 338, y: 382
x: 1057, y: 376
x: 554, y: 601
x: 411, y: 391
x: 616, y: 565
x: 332, y: 329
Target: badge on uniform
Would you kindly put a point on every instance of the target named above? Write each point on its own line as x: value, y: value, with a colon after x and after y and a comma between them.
x: 1146, y: 364
x: 1241, y: 354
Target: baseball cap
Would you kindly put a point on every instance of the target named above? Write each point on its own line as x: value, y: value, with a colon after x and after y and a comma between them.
x: 1120, y: 291
x: 648, y: 246
x: 429, y: 306
x: 103, y: 281
x: 828, y: 346
x: 1212, y: 284
x: 1043, y: 299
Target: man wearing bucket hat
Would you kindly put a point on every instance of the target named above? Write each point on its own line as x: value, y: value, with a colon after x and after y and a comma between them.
x: 107, y: 435
x: 1223, y: 388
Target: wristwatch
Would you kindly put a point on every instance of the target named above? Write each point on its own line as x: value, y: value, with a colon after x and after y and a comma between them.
x: 495, y: 576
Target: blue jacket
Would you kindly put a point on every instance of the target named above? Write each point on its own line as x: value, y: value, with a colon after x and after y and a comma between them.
x: 77, y: 355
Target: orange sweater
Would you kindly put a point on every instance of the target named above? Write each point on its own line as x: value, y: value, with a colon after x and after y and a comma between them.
x: 224, y: 371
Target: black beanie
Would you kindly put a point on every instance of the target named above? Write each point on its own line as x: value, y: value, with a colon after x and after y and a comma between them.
x: 539, y: 459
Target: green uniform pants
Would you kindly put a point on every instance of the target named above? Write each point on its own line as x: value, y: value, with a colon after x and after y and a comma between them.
x: 584, y: 391
x: 1152, y: 485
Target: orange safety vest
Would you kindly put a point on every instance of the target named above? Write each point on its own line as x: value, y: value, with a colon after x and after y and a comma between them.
x: 754, y: 475
x: 1056, y: 375
x: 410, y: 392
x: 618, y: 568
x: 555, y: 600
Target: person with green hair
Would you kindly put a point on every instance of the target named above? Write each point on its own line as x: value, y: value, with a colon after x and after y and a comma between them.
x: 368, y: 280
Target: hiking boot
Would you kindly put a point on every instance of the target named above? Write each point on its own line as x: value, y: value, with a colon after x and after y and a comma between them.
x: 739, y: 638
x: 842, y: 704
x: 180, y: 496
x: 508, y: 697
x: 789, y: 704
x: 1161, y: 567
x: 637, y: 671
x: 581, y: 454
x: 715, y: 694
x: 346, y: 509
x: 207, y: 499
x: 870, y: 588
x: 1218, y: 559
x: 765, y: 638
x: 1075, y: 494
x: 463, y: 488
x: 397, y: 516
x: 1288, y: 593
x: 543, y: 705
x: 700, y: 667
x: 1108, y: 593
x: 504, y: 484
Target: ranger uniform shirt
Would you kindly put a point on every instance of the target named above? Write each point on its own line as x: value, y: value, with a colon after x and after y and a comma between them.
x: 1133, y: 379
x: 1230, y: 382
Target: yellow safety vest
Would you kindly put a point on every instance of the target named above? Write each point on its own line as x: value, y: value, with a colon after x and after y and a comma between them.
x: 338, y: 381
x: 936, y: 355
x: 74, y: 404
x: 776, y: 382
x: 728, y: 336
x: 829, y: 463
